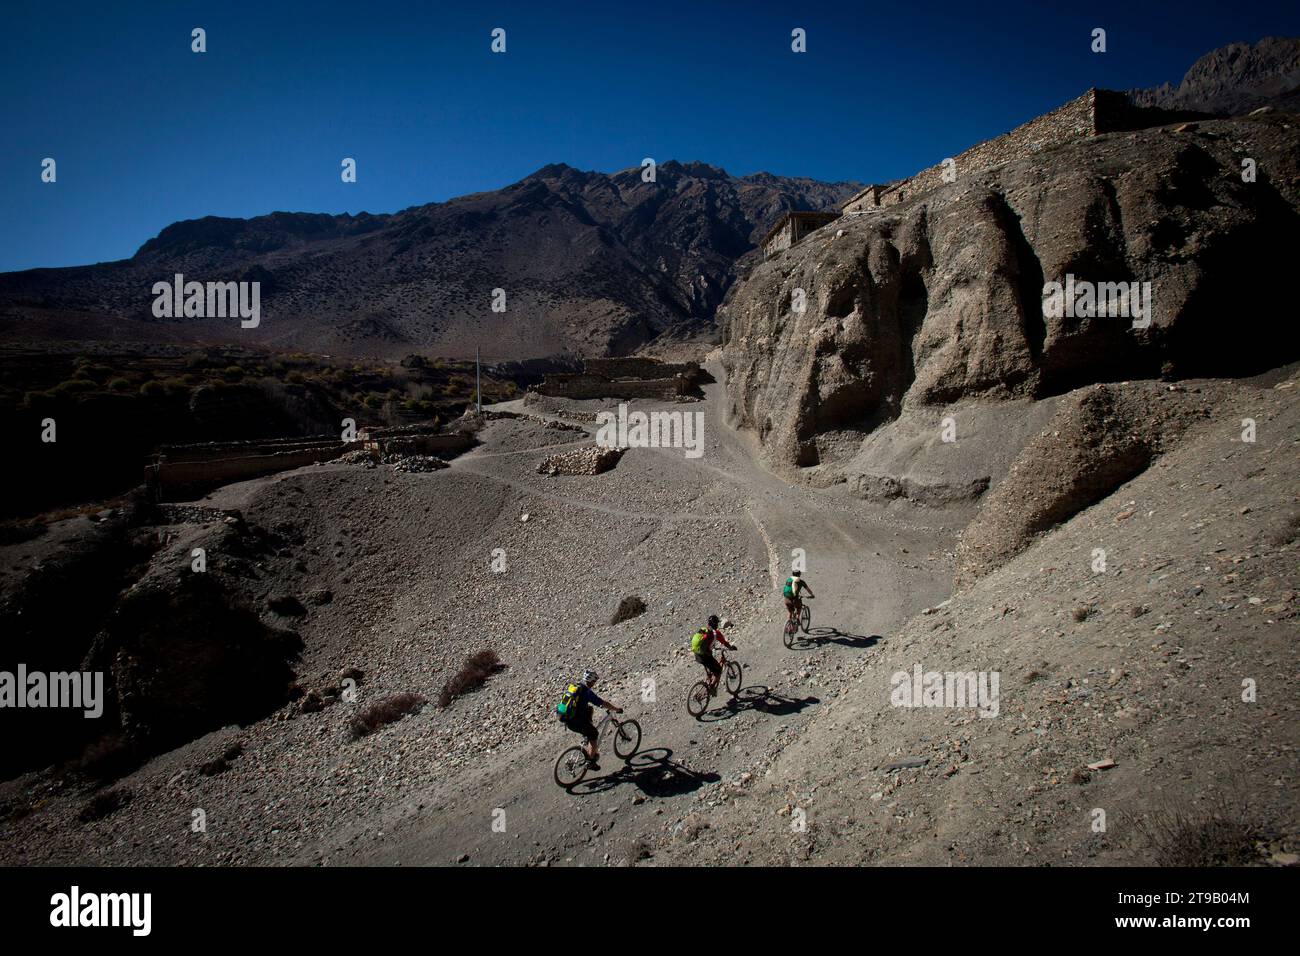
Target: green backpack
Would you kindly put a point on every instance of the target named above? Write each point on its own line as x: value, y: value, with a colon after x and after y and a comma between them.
x: 697, y: 641
x: 570, y: 703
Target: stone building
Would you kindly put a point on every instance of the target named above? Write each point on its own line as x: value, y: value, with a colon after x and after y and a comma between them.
x: 793, y: 227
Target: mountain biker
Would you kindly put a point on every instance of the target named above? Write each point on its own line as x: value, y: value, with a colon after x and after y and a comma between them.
x: 702, y: 647
x: 575, y: 713
x: 794, y: 584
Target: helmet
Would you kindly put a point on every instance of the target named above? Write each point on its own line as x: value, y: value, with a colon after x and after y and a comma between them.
x: 795, y: 574
x: 713, y: 620
x: 589, y: 677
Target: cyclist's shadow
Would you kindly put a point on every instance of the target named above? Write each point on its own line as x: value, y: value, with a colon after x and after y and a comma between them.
x: 833, y: 635
x: 651, y: 771
x: 759, y: 698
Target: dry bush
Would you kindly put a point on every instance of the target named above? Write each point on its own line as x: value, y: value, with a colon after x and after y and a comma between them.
x: 1288, y: 532
x: 477, y: 669
x: 222, y: 764
x: 628, y: 608
x: 386, y: 711
x: 104, y: 803
x: 1217, y: 834
x: 214, y: 767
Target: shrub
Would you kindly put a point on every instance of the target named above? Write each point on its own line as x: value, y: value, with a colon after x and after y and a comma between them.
x: 103, y: 804
x: 73, y: 386
x: 1287, y: 532
x: 1217, y: 835
x: 176, y: 386
x: 628, y: 608
x: 153, y: 389
x: 386, y: 711
x: 477, y: 669
x: 120, y: 384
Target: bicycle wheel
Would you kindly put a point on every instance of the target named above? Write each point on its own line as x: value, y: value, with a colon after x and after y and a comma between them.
x: 805, y: 618
x: 734, y: 676
x: 627, y: 738
x: 791, y: 628
x: 571, y: 767
x: 698, y: 701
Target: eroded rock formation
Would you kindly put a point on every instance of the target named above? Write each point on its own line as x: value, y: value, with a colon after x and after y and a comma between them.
x: 940, y: 299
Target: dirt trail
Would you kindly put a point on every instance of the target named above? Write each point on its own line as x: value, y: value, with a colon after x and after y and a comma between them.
x: 863, y: 595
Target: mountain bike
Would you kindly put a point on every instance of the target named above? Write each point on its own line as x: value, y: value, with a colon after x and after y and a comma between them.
x: 573, y: 764
x: 796, y: 622
x: 697, y: 702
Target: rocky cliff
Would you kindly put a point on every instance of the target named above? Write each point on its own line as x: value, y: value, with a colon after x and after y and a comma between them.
x: 1235, y: 79
x: 940, y: 299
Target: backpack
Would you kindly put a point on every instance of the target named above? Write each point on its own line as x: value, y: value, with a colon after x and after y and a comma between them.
x: 697, y: 641
x: 570, y: 703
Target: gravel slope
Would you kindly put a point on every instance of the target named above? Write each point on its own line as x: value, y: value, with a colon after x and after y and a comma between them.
x: 408, y: 561
x: 1202, y: 545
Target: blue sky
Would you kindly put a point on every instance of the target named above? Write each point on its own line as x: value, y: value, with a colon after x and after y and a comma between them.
x: 146, y: 132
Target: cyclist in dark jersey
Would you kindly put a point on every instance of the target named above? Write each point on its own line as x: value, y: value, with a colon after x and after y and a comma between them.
x: 580, y: 721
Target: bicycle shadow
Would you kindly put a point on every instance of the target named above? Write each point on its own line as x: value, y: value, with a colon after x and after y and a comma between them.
x: 651, y: 771
x: 760, y: 698
x: 832, y: 635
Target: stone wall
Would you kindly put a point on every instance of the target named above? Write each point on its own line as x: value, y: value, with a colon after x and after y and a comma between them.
x: 420, y: 444
x: 172, y: 480
x: 780, y: 239
x: 180, y: 471
x: 624, y: 378
x: 591, y: 386
x: 212, y: 451
x: 869, y: 198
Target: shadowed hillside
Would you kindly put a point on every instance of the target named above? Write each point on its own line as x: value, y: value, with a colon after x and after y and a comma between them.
x: 591, y: 263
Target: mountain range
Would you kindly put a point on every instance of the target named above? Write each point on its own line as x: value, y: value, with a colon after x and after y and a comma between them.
x: 589, y: 262
x: 1235, y: 79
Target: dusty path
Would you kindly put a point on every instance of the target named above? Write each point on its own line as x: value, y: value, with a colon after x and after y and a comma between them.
x: 863, y: 594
